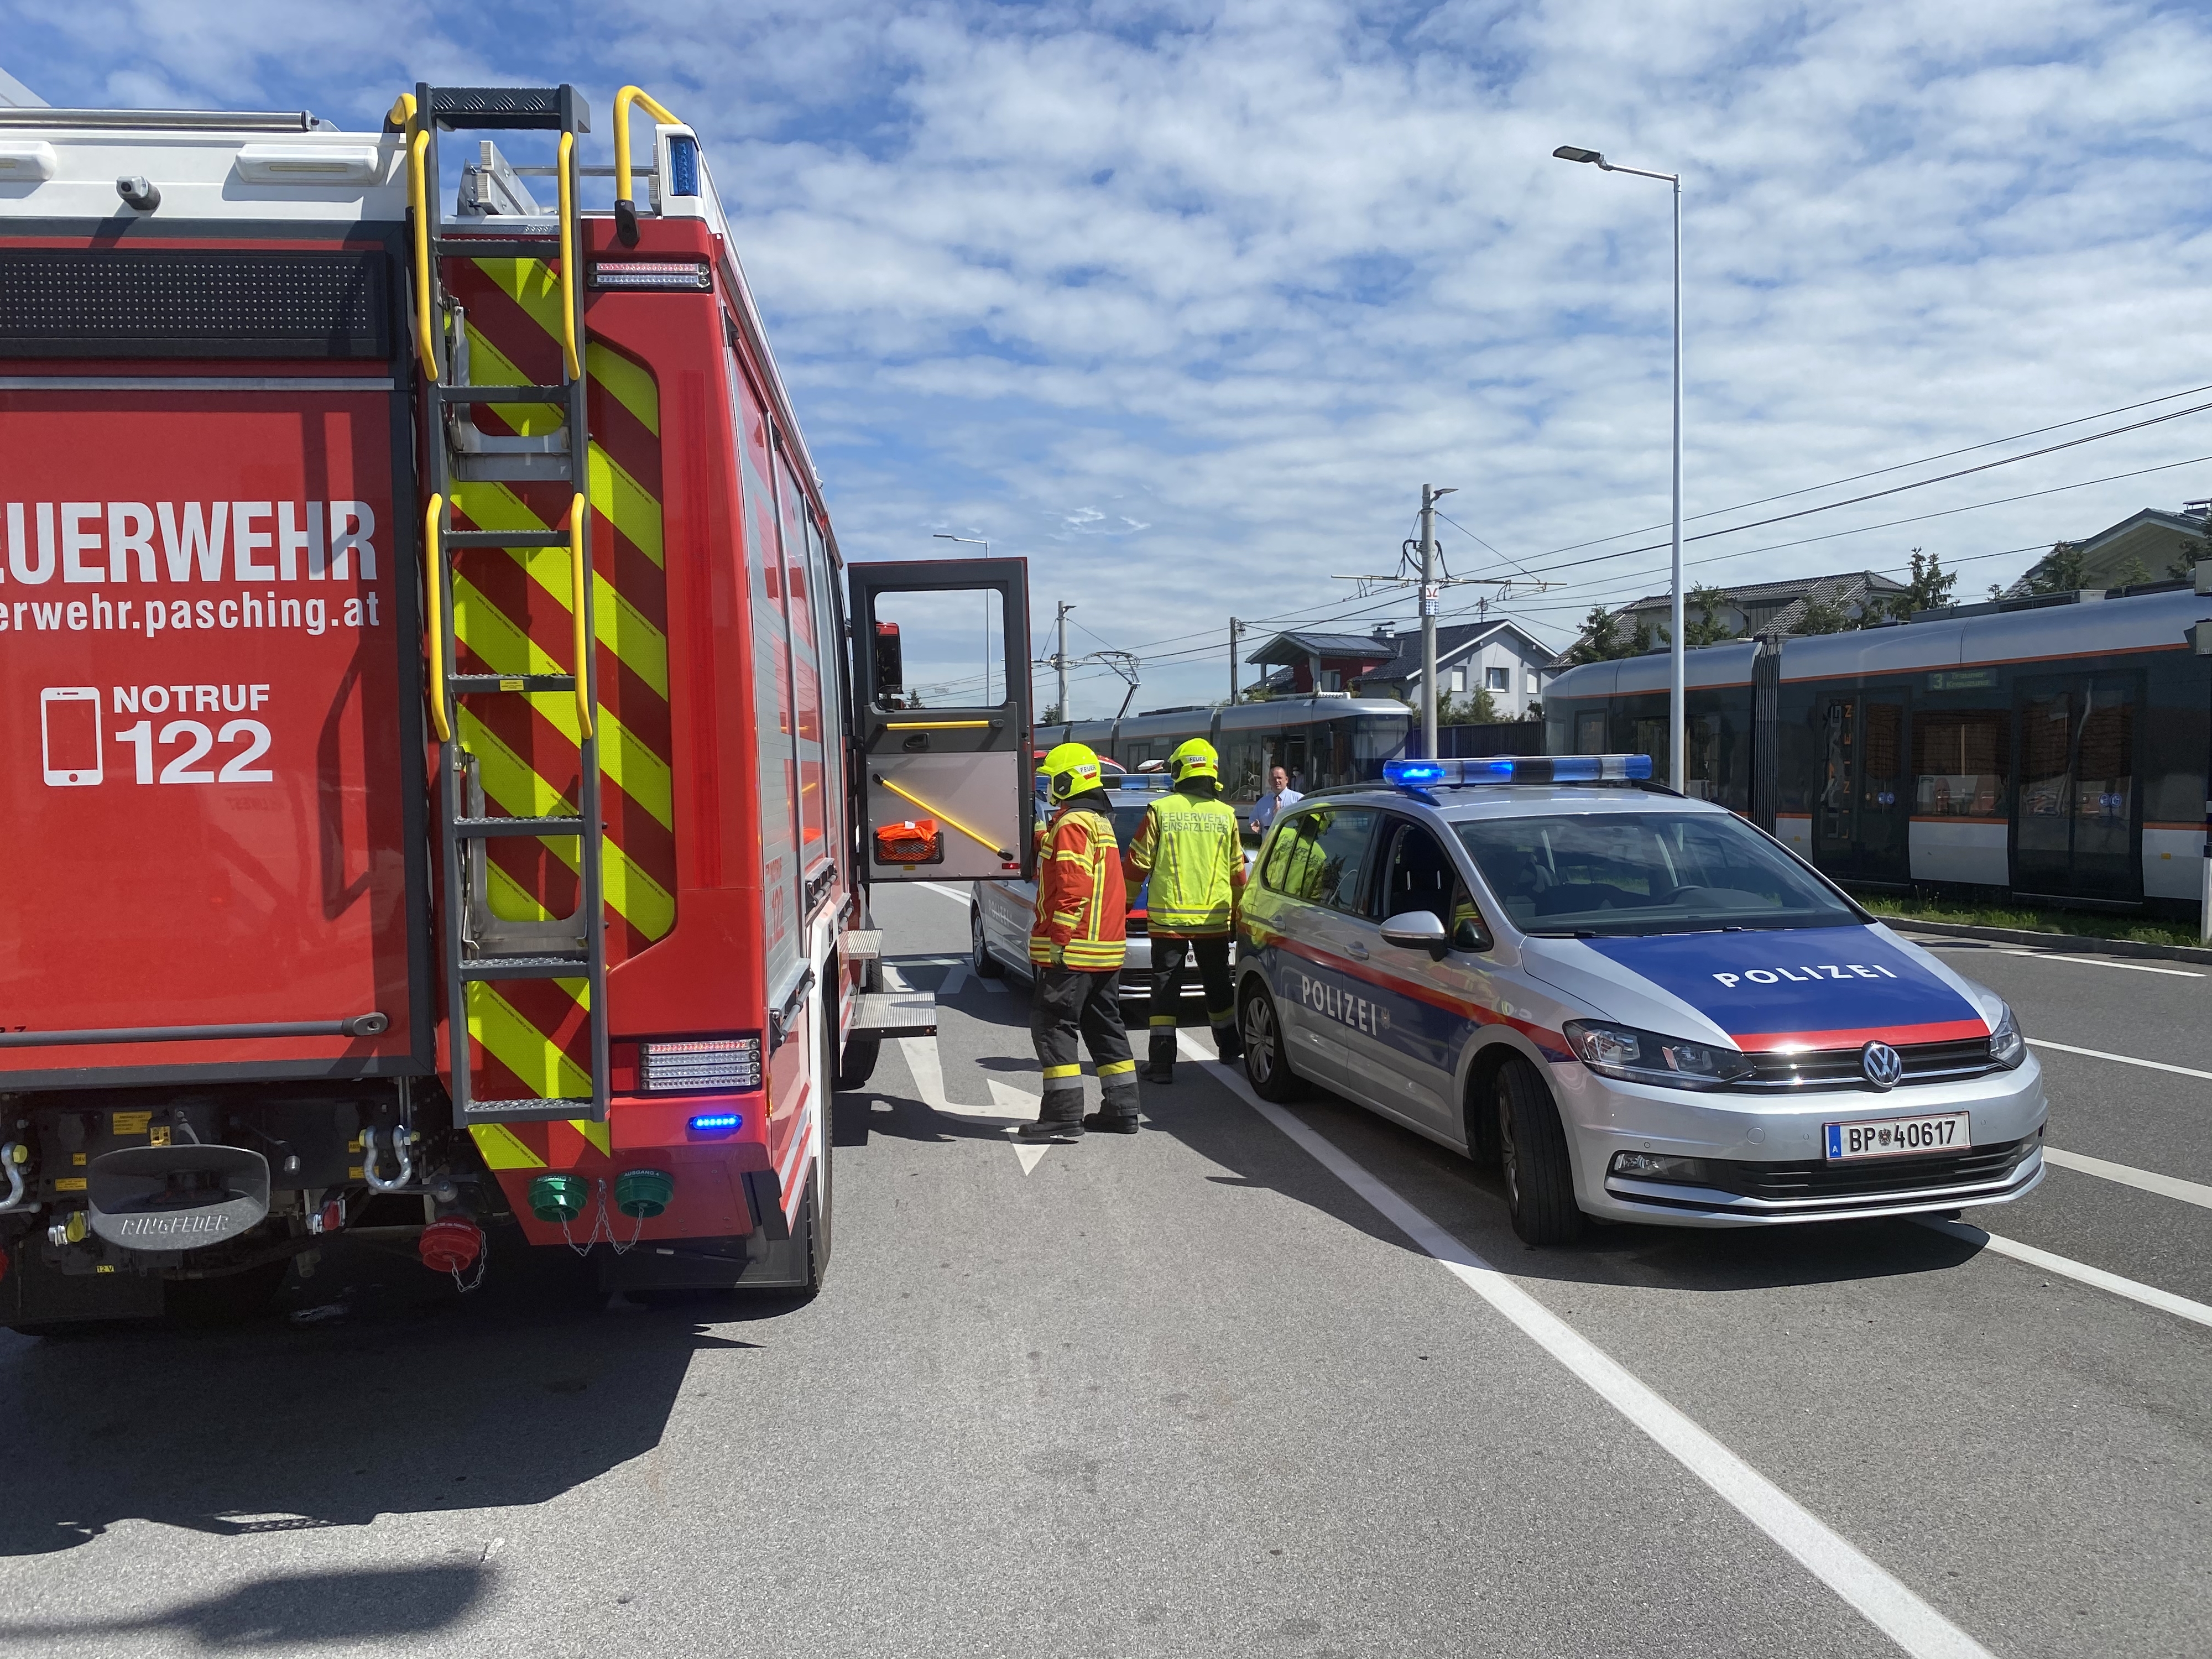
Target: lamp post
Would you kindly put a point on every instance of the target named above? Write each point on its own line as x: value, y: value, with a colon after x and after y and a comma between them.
x: 978, y: 541
x: 1676, y: 723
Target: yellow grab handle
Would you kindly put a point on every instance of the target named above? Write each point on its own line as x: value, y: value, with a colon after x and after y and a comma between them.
x: 623, y: 100
x: 425, y: 345
x: 569, y: 256
x: 578, y: 516
x: 435, y: 589
x: 939, y: 812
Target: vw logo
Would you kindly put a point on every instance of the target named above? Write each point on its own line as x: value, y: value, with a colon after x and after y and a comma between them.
x: 1883, y: 1066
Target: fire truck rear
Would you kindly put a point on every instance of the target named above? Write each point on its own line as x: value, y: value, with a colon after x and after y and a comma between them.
x: 444, y: 795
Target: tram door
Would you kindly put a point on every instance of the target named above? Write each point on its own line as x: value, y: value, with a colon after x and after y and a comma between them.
x: 2074, y: 831
x: 1863, y: 814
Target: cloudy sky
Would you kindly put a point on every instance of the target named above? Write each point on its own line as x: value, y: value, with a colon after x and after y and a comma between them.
x: 1185, y: 301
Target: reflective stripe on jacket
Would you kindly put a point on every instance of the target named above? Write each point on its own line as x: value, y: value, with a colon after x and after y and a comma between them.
x: 1081, y: 919
x: 1187, y: 847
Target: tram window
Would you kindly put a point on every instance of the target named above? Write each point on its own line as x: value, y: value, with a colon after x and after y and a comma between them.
x: 1701, y: 768
x: 1590, y: 732
x: 1651, y: 739
x: 949, y: 647
x: 2044, y: 772
x: 1241, y: 759
x: 1961, y: 761
x: 2107, y: 766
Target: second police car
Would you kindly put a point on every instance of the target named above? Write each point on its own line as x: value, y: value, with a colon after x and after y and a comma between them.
x: 1635, y: 1004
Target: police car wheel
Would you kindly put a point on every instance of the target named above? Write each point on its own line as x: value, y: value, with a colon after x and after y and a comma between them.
x: 980, y: 962
x: 1267, y: 1063
x: 1540, y: 1180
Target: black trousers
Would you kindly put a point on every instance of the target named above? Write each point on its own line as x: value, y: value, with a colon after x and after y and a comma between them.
x: 1071, y: 1003
x: 1212, y: 954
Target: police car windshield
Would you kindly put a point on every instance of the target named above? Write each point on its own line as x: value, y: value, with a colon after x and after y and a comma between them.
x: 1606, y: 873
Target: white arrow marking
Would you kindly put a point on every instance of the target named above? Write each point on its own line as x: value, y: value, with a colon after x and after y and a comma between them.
x: 1010, y: 1099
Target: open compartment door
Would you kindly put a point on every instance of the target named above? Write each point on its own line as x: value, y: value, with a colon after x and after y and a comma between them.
x: 941, y: 679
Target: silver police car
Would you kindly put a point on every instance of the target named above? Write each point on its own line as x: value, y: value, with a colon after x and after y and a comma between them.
x: 1635, y: 1004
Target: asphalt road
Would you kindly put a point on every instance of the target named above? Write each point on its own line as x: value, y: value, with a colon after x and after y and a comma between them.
x: 1192, y: 1393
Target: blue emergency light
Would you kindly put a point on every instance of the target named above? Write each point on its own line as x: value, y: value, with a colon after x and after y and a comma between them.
x: 1516, y: 768
x: 716, y: 1123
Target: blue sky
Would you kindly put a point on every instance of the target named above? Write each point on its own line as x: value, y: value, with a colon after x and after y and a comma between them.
x: 1185, y: 301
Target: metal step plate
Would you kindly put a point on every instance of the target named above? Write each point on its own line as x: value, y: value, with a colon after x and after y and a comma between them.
x: 897, y: 1013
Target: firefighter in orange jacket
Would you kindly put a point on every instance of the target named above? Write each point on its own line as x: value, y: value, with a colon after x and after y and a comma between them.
x: 1077, y: 944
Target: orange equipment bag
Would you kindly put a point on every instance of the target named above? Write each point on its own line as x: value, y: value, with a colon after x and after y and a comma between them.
x: 917, y: 841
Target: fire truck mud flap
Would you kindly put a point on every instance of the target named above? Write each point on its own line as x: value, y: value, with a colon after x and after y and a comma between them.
x: 176, y: 1198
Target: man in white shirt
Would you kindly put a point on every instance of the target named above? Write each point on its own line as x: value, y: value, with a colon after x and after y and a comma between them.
x: 1279, y: 795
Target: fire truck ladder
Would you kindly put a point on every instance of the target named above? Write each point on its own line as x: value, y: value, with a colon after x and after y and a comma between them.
x: 481, y: 948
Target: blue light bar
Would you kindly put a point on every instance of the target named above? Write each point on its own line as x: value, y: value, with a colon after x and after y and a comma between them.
x: 716, y: 1123
x: 1516, y: 768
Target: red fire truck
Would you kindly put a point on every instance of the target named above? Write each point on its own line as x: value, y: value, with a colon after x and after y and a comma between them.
x: 447, y: 777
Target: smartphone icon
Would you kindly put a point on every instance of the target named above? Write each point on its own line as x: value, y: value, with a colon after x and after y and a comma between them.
x: 69, y: 729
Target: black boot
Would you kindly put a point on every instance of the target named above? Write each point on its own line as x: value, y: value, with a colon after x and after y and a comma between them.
x: 1160, y: 1059
x: 1059, y: 1118
x: 1117, y: 1113
x: 1230, y: 1041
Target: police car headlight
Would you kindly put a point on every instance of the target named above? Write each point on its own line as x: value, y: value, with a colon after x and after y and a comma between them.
x: 1636, y: 1056
x: 2006, y: 1045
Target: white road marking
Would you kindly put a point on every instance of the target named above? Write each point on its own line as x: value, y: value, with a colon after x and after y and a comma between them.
x: 2104, y: 962
x: 2052, y: 955
x: 955, y: 977
x: 2188, y: 1192
x: 1023, y: 1106
x: 2149, y: 1295
x: 2121, y: 1059
x: 953, y: 893
x: 1881, y: 1599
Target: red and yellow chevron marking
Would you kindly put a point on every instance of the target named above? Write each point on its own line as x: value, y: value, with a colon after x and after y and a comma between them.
x: 512, y: 615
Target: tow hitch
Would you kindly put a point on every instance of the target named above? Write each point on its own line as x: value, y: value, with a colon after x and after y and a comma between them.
x: 176, y: 1198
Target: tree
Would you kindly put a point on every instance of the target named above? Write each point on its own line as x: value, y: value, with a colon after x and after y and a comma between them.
x: 1051, y: 716
x: 2060, y: 573
x: 1601, y: 639
x: 2134, y: 571
x: 1929, y: 589
x: 1712, y: 626
x: 1825, y: 613
x: 1257, y: 693
x: 1476, y: 708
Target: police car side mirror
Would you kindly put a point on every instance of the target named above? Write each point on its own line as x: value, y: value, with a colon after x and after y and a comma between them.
x: 1415, y: 930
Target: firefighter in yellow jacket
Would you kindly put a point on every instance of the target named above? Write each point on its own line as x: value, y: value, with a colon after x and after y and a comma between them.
x: 1077, y: 945
x: 1188, y: 849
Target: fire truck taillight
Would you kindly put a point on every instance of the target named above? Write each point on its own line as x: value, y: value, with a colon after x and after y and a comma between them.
x: 653, y: 276
x: 704, y: 1065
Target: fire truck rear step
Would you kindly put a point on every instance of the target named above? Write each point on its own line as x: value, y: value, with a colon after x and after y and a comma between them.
x: 479, y: 829
x: 480, y: 946
x: 531, y: 1110
x: 497, y: 968
x: 893, y: 1014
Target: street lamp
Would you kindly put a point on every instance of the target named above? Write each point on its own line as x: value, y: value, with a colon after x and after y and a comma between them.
x: 977, y: 541
x: 1676, y: 719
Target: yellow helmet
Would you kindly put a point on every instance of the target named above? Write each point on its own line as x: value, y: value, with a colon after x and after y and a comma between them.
x: 1069, y: 770
x: 1194, y: 759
